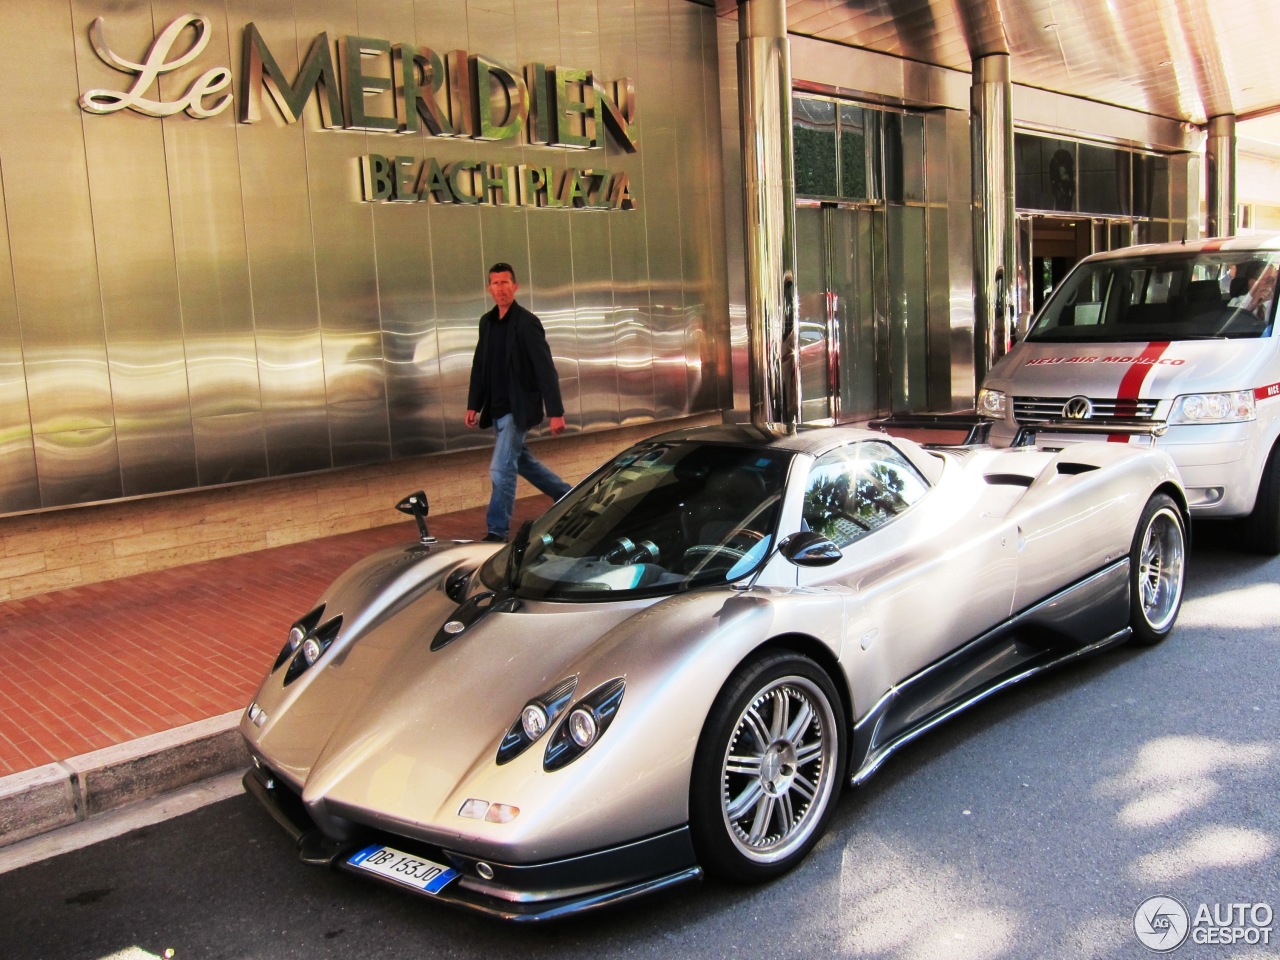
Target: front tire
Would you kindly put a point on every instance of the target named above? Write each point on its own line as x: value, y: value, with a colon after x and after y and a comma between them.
x: 1262, y: 526
x: 1157, y: 566
x: 768, y: 768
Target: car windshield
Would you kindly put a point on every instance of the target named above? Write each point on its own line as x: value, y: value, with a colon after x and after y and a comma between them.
x: 1167, y: 296
x: 660, y: 518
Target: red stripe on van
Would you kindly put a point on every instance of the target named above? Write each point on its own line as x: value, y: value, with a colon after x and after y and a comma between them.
x: 1268, y: 392
x: 1132, y: 381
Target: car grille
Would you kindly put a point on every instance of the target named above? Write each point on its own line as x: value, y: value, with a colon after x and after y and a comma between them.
x: 1039, y: 409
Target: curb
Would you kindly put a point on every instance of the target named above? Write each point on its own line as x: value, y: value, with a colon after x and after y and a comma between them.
x: 58, y: 794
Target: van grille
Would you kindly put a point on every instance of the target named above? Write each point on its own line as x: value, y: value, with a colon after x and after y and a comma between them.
x: 1039, y: 409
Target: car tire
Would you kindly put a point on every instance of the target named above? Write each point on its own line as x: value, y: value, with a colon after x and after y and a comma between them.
x: 1157, y: 568
x: 768, y: 768
x: 1262, y: 526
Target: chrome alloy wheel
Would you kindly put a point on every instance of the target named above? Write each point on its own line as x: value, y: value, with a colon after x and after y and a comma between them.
x: 779, y: 769
x: 1161, y: 563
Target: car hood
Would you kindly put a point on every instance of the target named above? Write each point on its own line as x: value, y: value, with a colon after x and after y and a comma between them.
x: 1155, y: 370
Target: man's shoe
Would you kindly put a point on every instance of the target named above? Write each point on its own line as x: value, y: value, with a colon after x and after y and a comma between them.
x: 493, y: 538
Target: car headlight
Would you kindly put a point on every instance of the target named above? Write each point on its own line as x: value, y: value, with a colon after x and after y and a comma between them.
x: 297, y: 633
x: 586, y: 723
x: 312, y: 647
x: 992, y: 403
x: 535, y: 717
x: 1235, y: 407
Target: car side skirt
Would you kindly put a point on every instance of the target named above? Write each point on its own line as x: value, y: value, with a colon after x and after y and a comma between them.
x: 1089, y: 616
x: 515, y: 892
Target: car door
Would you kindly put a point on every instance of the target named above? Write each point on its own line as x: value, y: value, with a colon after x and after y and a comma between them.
x: 923, y: 572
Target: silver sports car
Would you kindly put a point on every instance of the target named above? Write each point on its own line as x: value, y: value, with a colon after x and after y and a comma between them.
x: 680, y: 665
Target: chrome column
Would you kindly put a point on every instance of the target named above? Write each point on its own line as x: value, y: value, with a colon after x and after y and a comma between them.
x: 993, y: 208
x: 764, y: 78
x: 1220, y: 176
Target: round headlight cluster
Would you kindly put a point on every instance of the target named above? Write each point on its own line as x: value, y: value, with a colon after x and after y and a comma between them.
x: 583, y: 727
x: 534, y: 720
x: 296, y: 636
x: 311, y: 650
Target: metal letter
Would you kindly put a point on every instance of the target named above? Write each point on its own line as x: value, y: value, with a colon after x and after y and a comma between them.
x: 618, y: 111
x: 620, y: 197
x: 375, y: 176
x: 258, y: 68
x: 461, y: 106
x: 432, y: 183
x: 540, y: 101
x: 423, y: 76
x: 358, y: 84
x: 157, y: 62
x: 533, y: 186
x: 495, y: 179
x: 511, y: 100
x: 454, y: 171
x: 574, y: 118
x: 401, y: 188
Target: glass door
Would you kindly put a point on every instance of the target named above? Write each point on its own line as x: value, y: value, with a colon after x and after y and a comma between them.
x: 857, y: 357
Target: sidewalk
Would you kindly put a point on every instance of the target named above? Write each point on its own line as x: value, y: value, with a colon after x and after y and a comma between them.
x: 119, y: 691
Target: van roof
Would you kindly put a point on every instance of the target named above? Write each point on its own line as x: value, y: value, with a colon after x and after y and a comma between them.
x: 1256, y: 241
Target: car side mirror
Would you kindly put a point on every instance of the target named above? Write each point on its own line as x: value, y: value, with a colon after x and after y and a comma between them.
x: 809, y: 549
x: 416, y: 505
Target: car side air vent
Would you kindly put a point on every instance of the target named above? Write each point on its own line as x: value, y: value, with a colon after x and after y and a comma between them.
x: 1073, y: 469
x: 1007, y: 479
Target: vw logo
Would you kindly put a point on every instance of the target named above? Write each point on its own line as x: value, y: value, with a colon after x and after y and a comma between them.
x: 1077, y: 408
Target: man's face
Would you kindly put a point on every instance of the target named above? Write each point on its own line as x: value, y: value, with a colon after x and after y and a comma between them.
x: 502, y: 287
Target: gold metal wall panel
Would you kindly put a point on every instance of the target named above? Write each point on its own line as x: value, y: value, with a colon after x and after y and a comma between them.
x: 77, y: 466
x: 346, y: 267
x: 18, y: 485
x: 662, y: 209
x: 231, y: 448
x: 129, y: 203
x: 630, y: 326
x: 52, y: 256
x: 282, y: 267
x: 458, y: 265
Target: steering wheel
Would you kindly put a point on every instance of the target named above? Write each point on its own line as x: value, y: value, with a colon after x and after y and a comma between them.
x: 700, y: 555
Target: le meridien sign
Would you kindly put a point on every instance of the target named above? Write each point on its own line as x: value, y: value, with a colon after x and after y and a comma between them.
x: 459, y: 95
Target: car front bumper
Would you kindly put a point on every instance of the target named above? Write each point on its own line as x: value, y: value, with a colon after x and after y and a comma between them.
x: 512, y: 892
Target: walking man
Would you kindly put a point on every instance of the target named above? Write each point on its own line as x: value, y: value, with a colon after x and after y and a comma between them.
x: 512, y: 379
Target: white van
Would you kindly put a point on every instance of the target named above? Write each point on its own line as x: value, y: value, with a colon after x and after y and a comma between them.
x: 1168, y: 344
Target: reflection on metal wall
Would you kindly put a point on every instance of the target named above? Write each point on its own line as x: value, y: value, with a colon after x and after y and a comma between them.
x: 193, y: 301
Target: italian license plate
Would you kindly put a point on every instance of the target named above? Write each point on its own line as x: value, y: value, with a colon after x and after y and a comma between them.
x: 403, y: 868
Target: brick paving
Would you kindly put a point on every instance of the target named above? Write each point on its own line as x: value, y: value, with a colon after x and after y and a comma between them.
x: 96, y: 665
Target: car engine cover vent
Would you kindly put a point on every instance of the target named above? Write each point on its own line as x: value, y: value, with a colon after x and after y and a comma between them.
x: 1008, y: 479
x: 1073, y: 469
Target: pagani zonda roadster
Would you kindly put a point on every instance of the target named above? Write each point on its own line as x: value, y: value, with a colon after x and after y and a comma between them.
x: 679, y: 666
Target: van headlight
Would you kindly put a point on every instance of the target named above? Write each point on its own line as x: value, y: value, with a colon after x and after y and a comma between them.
x: 1235, y: 407
x: 992, y: 403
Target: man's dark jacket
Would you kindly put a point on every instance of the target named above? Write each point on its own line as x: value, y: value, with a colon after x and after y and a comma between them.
x: 531, y: 374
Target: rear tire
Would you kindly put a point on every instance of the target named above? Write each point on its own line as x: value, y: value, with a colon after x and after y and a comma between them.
x: 1262, y: 526
x: 768, y: 768
x: 1157, y: 566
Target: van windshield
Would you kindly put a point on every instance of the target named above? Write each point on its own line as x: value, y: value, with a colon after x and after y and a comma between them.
x: 1165, y: 296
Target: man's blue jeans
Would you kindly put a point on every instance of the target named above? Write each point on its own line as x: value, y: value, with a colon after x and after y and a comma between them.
x: 511, y: 458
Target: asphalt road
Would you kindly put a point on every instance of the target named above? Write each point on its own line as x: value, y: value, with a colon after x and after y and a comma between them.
x: 1033, y: 826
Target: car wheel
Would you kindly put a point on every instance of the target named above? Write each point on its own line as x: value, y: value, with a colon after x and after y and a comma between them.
x: 1157, y: 565
x: 768, y: 768
x: 1262, y: 526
